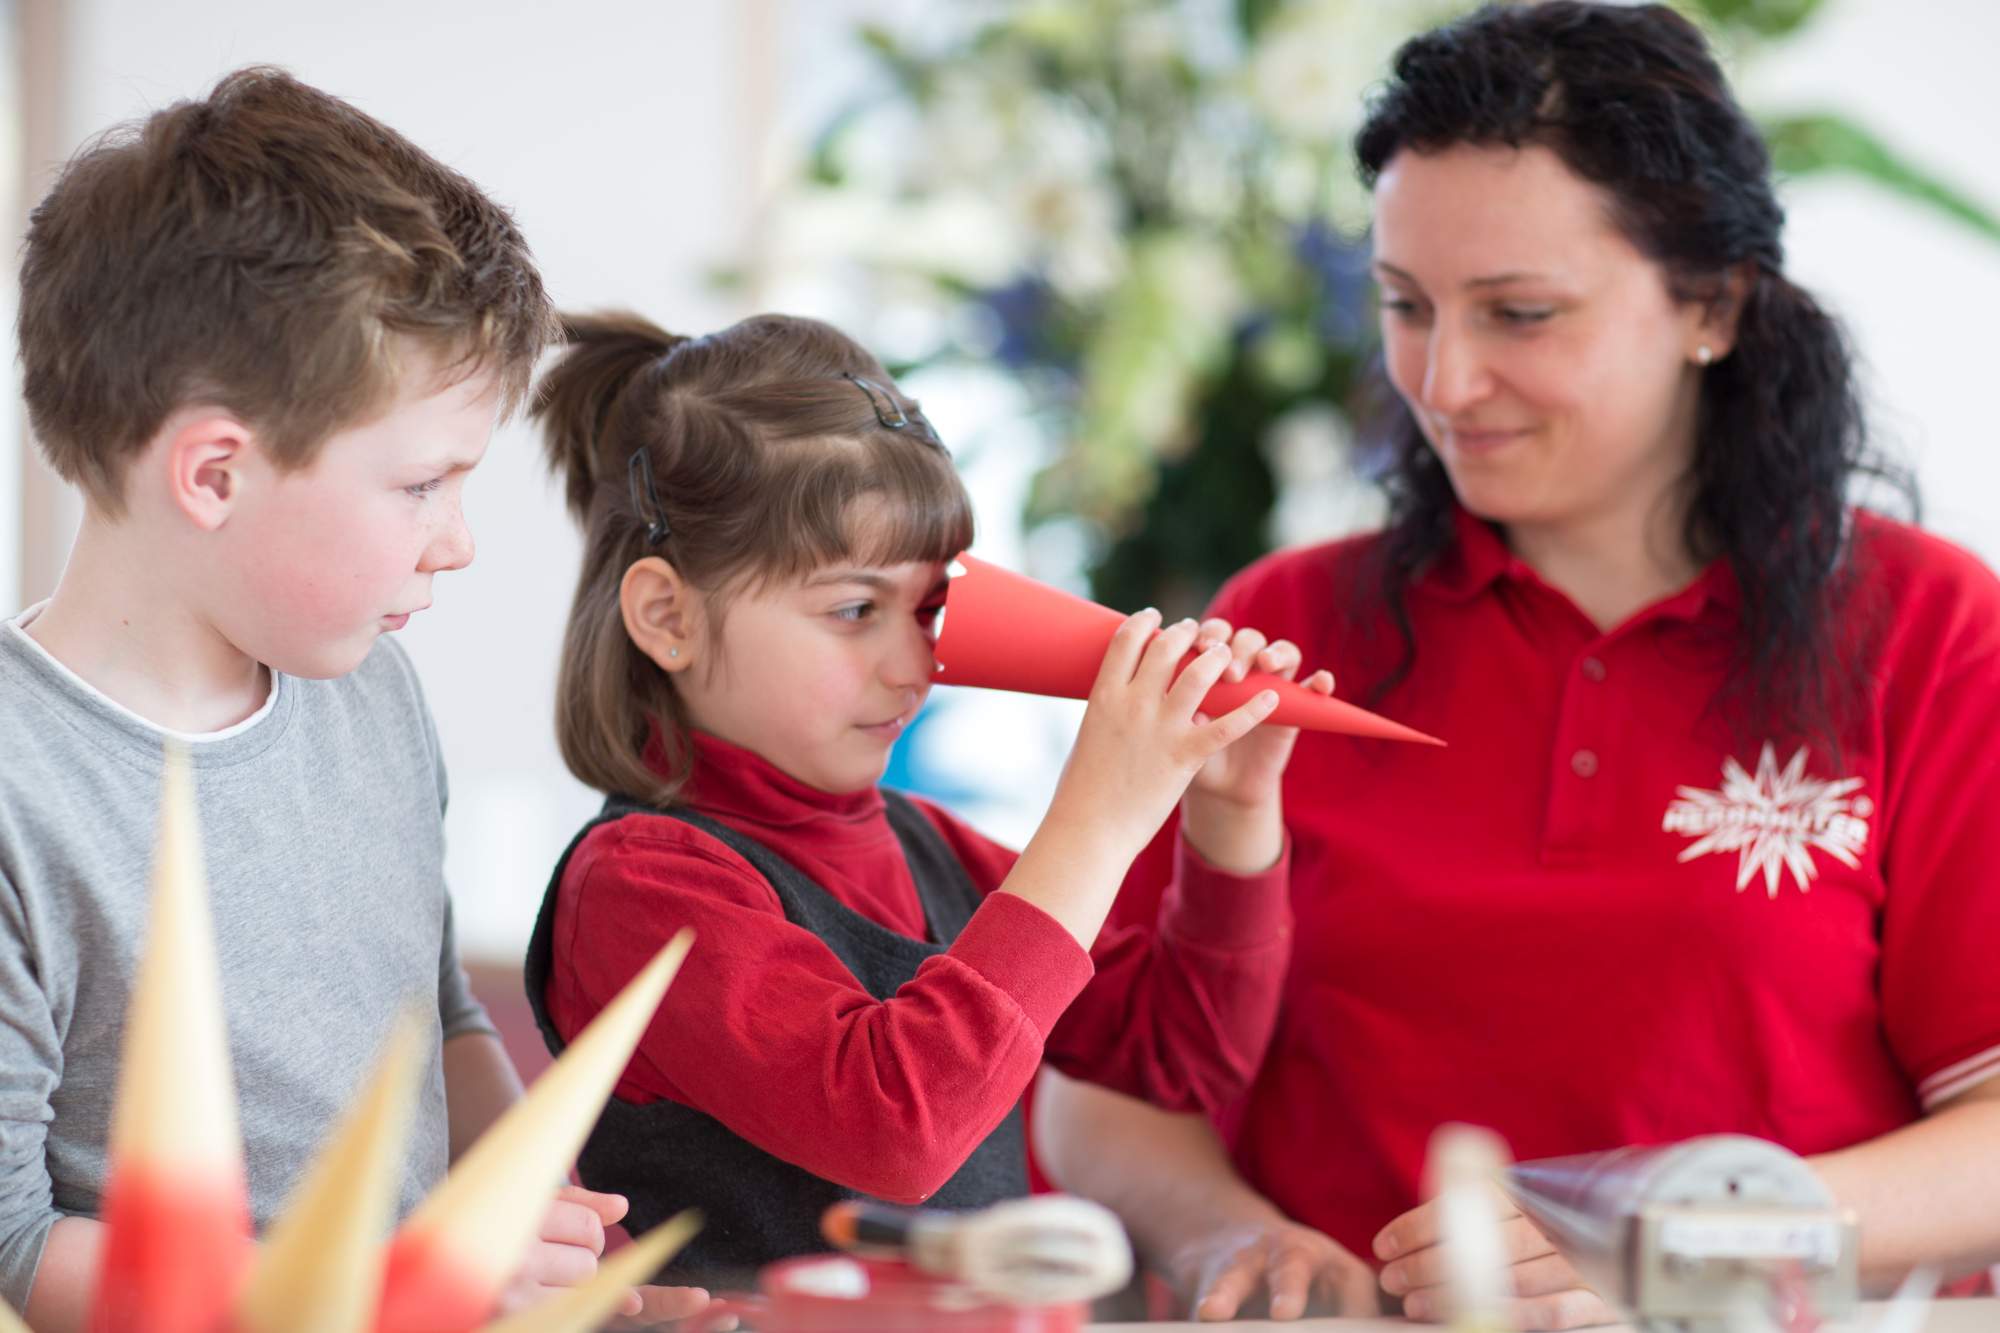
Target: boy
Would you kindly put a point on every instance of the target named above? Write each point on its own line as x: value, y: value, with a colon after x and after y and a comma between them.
x: 268, y: 337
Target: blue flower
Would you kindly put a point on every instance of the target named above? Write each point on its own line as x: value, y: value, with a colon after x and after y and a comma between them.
x: 1339, y: 267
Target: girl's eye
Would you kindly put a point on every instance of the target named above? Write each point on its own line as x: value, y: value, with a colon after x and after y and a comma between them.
x: 424, y: 488
x: 854, y: 613
x: 1521, y: 316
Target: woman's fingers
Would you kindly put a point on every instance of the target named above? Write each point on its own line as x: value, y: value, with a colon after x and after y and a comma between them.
x: 1230, y: 1285
x: 1245, y: 646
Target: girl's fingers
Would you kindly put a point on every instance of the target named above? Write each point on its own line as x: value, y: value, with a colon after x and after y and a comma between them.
x: 1121, y: 659
x: 1234, y: 725
x: 1197, y: 678
x: 608, y: 1207
x: 663, y: 1303
x: 1320, y: 682
x: 1213, y: 630
x: 552, y: 1265
x: 1162, y: 655
x: 568, y: 1222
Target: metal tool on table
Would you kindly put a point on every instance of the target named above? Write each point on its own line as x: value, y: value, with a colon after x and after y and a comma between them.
x: 1041, y: 1250
x: 1685, y: 1237
x: 1024, y: 1266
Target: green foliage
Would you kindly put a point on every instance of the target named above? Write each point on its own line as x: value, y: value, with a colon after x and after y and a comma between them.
x: 1808, y: 145
x: 1762, y: 18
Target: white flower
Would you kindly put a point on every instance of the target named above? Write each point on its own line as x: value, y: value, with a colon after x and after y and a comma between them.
x: 1319, y: 496
x: 1315, y: 61
x: 959, y: 232
x: 1062, y: 205
x: 965, y: 136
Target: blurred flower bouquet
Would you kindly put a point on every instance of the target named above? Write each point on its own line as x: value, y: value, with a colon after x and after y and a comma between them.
x: 1145, y: 212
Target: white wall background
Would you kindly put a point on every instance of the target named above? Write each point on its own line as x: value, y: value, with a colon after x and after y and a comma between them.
x: 634, y: 138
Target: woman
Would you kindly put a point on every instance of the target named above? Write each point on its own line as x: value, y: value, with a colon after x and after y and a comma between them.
x: 1710, y: 849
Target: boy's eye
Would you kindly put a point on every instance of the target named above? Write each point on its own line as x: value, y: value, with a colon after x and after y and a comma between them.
x: 424, y: 488
x: 1523, y: 315
x: 930, y: 617
x: 854, y: 611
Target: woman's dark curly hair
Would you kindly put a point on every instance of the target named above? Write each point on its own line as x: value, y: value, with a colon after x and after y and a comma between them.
x: 1631, y: 100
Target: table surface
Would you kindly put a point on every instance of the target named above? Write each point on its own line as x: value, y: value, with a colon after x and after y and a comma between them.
x: 1980, y: 1316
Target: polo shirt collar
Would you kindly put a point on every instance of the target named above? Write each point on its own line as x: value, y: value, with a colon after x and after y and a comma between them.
x: 1478, y: 558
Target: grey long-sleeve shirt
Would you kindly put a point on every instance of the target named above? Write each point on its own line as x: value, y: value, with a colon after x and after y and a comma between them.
x: 321, y: 830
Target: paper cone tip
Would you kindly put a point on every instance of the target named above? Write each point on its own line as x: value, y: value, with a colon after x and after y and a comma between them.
x: 477, y: 1224
x: 587, y: 1306
x: 321, y: 1266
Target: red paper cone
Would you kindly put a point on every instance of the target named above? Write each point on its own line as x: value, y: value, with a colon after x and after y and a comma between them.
x: 1001, y: 631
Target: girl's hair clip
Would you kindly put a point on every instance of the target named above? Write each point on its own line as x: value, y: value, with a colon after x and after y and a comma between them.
x: 890, y: 413
x: 646, y: 499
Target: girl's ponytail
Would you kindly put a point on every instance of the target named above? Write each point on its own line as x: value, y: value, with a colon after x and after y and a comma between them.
x: 578, y: 398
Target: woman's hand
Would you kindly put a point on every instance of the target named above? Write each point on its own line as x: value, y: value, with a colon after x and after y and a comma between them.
x: 1277, y: 1267
x: 1548, y: 1293
x: 1232, y: 813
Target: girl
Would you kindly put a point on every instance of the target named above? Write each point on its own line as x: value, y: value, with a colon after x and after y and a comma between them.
x: 767, y: 521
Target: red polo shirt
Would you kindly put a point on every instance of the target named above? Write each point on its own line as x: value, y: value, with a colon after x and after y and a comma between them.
x: 1600, y: 918
x: 767, y: 1031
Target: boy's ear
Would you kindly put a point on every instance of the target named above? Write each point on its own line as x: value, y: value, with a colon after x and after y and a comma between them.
x: 662, y: 614
x: 207, y: 452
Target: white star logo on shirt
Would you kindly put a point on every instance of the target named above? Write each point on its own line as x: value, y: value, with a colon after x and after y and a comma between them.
x: 1773, y: 820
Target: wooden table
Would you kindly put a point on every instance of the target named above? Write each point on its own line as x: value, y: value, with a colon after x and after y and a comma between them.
x: 1981, y: 1316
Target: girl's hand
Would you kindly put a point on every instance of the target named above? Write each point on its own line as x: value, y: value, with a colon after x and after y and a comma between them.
x: 1141, y: 739
x: 566, y: 1248
x: 1548, y: 1293
x: 1232, y: 815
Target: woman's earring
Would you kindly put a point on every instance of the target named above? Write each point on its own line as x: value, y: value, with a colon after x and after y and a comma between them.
x: 1704, y: 354
x: 673, y: 652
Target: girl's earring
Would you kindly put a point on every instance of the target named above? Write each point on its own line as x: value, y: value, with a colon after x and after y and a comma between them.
x: 673, y: 652
x: 1704, y: 354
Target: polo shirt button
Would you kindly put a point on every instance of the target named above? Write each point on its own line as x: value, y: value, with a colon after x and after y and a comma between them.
x: 1584, y: 763
x: 1593, y: 668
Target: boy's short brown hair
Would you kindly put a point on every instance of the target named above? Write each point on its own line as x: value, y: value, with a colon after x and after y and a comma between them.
x: 272, y: 250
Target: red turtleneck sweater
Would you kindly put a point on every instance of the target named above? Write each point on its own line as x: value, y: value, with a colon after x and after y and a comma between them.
x: 766, y: 1031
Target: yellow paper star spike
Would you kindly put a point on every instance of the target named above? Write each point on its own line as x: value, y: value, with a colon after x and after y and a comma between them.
x: 321, y: 1267
x: 456, y: 1252
x: 588, y: 1306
